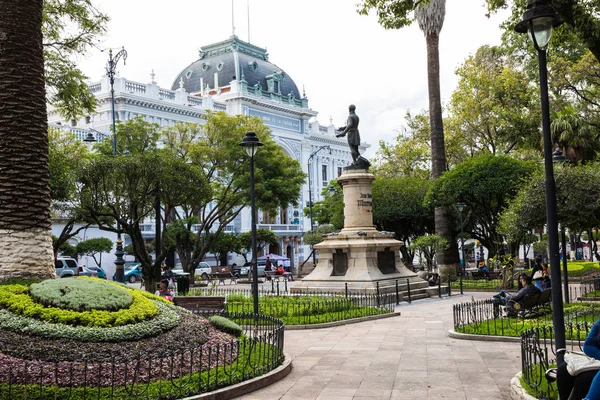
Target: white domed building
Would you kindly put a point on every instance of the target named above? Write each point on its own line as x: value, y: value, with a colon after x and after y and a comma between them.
x: 236, y: 77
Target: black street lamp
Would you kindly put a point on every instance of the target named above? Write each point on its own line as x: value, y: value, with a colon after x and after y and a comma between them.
x: 111, y: 70
x: 559, y: 158
x: 251, y: 144
x: 310, y: 202
x: 538, y: 21
x: 461, y: 207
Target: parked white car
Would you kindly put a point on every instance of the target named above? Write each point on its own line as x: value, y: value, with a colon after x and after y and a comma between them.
x: 203, y: 270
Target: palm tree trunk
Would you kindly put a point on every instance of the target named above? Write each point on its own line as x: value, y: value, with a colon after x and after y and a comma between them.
x: 25, y: 240
x: 448, y: 261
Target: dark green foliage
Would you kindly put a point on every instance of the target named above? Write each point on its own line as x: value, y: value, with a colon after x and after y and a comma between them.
x: 70, y: 28
x: 226, y: 325
x: 485, y: 184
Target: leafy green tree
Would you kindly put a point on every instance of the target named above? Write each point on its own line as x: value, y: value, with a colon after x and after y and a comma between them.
x: 222, y: 245
x: 485, y: 184
x: 495, y: 107
x: 398, y: 206
x: 67, y: 155
x: 575, y: 186
x: 428, y: 246
x: 214, y: 148
x: 575, y: 134
x: 134, y: 136
x: 330, y: 210
x: 70, y: 28
x: 580, y: 19
x: 124, y: 188
x: 264, y: 237
x: 94, y: 247
x: 68, y: 250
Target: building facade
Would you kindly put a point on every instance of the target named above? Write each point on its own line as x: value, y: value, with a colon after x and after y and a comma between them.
x: 235, y: 77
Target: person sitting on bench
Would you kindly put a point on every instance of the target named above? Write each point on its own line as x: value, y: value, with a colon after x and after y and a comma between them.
x: 528, y: 288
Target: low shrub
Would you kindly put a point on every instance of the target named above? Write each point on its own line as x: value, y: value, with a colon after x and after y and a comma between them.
x: 226, y: 325
x: 80, y: 295
x: 166, y: 319
x: 16, y: 298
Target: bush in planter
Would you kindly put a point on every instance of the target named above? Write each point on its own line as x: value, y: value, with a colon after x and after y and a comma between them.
x: 226, y: 325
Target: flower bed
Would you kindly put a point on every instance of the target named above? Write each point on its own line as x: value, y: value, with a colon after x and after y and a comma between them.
x: 168, y: 354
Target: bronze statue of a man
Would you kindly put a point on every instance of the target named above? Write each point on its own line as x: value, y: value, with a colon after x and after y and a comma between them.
x: 351, y: 129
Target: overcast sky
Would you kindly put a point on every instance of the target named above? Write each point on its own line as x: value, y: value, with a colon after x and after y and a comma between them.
x: 339, y: 56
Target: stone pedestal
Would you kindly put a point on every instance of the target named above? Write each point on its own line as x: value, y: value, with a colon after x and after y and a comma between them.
x: 359, y: 258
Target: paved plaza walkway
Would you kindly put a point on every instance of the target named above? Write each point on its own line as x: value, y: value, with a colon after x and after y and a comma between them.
x: 404, y: 357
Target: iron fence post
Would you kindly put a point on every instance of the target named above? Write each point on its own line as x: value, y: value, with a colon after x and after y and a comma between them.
x: 408, y: 290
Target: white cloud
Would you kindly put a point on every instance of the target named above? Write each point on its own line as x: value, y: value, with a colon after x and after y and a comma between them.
x: 340, y: 56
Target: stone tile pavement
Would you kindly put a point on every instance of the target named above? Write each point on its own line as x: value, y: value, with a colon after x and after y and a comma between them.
x: 403, y: 357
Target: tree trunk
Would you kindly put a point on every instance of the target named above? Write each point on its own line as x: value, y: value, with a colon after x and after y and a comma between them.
x: 25, y: 239
x: 448, y: 261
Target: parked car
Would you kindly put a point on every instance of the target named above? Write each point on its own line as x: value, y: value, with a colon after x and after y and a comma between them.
x: 66, y: 267
x: 133, y: 272
x: 203, y: 270
x: 100, y: 273
x: 82, y: 270
x: 260, y: 265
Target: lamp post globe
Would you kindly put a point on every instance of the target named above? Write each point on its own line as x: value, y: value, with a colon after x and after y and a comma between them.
x: 251, y: 143
x: 538, y: 22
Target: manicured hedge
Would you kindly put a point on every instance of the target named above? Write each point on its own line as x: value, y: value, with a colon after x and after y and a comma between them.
x: 16, y: 298
x: 226, y: 325
x: 166, y: 319
x: 80, y: 295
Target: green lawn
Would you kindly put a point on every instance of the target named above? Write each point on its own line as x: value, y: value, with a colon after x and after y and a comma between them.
x: 304, y: 310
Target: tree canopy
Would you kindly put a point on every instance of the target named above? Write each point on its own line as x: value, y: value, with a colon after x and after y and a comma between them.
x: 485, y: 184
x: 70, y: 28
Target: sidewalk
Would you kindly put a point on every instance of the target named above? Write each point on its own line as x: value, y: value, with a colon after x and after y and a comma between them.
x: 404, y: 357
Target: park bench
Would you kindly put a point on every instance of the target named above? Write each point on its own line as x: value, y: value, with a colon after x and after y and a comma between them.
x: 530, y: 305
x: 201, y: 304
x: 275, y: 275
x: 486, y: 275
x: 223, y: 276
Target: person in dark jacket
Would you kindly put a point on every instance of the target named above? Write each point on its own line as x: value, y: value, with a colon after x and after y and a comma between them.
x: 576, y: 387
x: 528, y: 288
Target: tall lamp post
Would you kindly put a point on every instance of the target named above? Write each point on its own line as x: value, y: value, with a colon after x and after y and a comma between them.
x: 461, y: 207
x: 310, y: 202
x: 251, y: 144
x: 111, y: 70
x: 559, y: 158
x: 538, y: 21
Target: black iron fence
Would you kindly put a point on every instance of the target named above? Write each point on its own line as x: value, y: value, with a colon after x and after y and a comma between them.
x: 538, y: 354
x: 402, y: 291
x: 167, y: 374
x: 485, y: 317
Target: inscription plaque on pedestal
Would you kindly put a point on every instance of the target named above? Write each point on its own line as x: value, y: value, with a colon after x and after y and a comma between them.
x: 386, y: 261
x: 340, y: 263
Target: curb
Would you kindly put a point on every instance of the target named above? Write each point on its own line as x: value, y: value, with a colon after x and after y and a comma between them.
x: 516, y: 390
x: 250, y: 385
x: 340, y: 323
x: 482, y: 338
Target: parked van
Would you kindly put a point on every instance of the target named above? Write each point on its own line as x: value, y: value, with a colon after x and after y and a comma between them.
x: 66, y: 267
